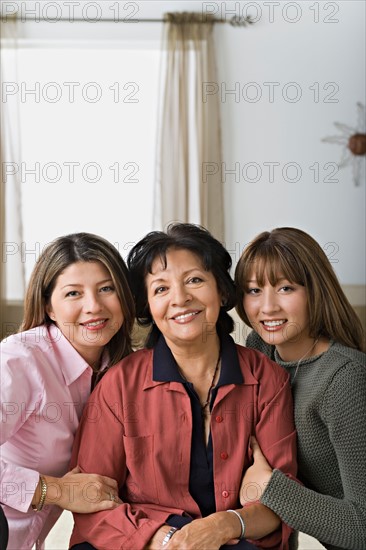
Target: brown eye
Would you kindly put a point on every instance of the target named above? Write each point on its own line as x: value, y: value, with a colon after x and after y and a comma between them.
x: 253, y: 291
x: 160, y: 289
x: 195, y: 280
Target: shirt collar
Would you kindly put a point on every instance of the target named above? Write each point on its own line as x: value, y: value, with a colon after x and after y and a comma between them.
x: 165, y: 367
x: 71, y: 363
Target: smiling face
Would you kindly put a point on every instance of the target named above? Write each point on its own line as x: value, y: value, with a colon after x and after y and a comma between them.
x: 279, y: 313
x: 183, y: 298
x: 85, y: 307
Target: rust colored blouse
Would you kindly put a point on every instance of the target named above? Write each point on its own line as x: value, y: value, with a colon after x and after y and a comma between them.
x: 137, y: 428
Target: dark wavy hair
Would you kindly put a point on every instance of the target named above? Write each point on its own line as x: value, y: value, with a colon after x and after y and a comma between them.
x: 299, y: 258
x: 180, y: 236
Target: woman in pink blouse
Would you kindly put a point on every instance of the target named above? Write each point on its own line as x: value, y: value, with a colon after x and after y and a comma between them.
x: 77, y: 322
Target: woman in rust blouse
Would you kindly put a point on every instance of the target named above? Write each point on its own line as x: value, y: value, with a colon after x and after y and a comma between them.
x: 172, y: 422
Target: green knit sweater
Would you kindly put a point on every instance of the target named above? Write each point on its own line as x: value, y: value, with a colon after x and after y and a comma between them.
x: 329, y: 393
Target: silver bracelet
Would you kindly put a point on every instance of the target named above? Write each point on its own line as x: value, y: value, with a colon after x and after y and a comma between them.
x: 169, y: 535
x: 242, y: 524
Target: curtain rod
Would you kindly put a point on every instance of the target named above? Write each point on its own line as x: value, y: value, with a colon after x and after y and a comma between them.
x: 235, y: 21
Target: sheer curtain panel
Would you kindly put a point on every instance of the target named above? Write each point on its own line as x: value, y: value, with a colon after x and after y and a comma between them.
x: 12, y: 266
x: 188, y: 185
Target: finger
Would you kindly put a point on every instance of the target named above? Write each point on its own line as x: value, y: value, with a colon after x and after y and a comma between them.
x: 258, y: 456
x: 257, y: 451
x: 75, y: 470
x: 109, y: 482
x: 111, y: 496
x: 105, y: 505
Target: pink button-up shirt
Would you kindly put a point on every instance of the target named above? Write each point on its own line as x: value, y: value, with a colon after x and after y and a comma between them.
x: 44, y: 386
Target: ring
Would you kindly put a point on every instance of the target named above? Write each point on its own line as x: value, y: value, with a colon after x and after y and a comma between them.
x: 112, y: 497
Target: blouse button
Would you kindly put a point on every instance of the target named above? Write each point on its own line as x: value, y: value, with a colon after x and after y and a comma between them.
x: 225, y: 494
x: 219, y: 419
x: 224, y: 456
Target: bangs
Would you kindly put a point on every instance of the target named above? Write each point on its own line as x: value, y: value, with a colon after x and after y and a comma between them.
x: 272, y: 264
x: 160, y: 253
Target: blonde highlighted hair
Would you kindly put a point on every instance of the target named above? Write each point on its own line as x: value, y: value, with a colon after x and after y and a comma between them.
x: 295, y: 255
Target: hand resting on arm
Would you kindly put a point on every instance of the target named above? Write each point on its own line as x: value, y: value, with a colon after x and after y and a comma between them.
x: 78, y: 492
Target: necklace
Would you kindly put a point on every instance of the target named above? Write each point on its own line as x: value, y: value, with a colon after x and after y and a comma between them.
x: 303, y: 357
x: 208, y: 398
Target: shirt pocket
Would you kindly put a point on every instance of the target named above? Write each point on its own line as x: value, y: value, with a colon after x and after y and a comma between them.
x: 141, y: 483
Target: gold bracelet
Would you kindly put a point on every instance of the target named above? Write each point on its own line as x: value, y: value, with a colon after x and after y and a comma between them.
x: 39, y: 506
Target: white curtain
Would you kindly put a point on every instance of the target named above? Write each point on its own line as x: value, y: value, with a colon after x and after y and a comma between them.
x: 188, y: 186
x: 12, y: 266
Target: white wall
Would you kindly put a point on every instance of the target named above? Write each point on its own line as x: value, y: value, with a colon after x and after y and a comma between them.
x: 331, y: 54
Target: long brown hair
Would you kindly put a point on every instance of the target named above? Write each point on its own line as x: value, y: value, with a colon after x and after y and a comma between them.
x: 55, y: 258
x: 299, y: 258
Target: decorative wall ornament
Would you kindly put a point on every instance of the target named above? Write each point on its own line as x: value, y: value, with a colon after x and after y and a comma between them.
x: 354, y: 144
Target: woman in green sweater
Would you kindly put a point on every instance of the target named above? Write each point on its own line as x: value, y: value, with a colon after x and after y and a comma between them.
x: 290, y: 295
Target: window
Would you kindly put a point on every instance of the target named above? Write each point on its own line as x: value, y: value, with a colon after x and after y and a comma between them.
x: 87, y: 137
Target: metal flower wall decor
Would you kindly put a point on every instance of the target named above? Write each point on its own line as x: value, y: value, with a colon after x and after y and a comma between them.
x: 354, y: 144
